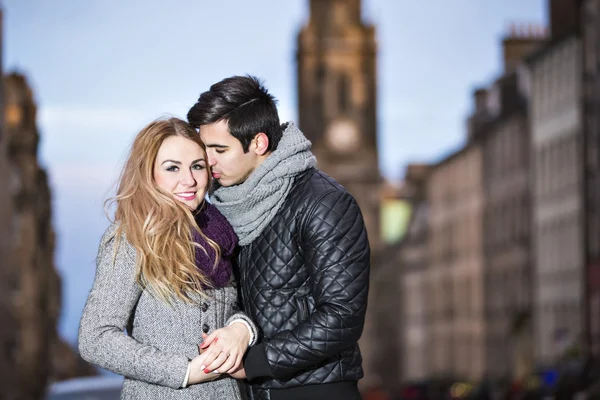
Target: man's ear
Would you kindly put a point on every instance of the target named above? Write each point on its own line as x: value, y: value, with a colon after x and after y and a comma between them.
x: 260, y: 143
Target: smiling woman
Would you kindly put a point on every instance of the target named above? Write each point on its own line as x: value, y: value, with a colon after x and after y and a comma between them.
x: 164, y: 275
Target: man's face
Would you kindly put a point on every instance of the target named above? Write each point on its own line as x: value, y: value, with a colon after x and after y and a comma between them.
x: 230, y: 165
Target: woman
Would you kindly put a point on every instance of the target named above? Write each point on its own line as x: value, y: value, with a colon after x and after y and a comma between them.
x: 163, y: 272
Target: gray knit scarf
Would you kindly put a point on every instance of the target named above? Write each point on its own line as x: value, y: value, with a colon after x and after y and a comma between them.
x: 251, y: 205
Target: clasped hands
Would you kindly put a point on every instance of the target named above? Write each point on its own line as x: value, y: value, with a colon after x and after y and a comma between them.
x: 221, y: 352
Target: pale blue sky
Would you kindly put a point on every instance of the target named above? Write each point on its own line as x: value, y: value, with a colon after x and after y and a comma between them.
x: 102, y: 69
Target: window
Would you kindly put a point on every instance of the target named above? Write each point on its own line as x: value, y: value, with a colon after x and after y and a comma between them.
x: 592, y: 143
x: 590, y: 43
x: 344, y: 94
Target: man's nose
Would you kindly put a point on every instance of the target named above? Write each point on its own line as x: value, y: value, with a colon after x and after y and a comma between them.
x: 211, y: 160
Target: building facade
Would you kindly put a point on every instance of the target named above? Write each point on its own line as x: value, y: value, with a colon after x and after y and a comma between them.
x: 8, y: 270
x: 40, y: 355
x: 507, y: 228
x: 37, y: 294
x: 590, y: 36
x: 413, y: 259
x: 557, y: 201
x: 454, y: 275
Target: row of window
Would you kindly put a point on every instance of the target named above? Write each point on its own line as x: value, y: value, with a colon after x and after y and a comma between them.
x: 592, y: 132
x: 507, y: 151
x: 558, y: 244
x: 459, y: 238
x: 591, y: 37
x: 557, y: 166
x: 456, y: 181
x: 555, y: 80
x: 508, y: 289
x: 507, y: 223
x: 461, y: 300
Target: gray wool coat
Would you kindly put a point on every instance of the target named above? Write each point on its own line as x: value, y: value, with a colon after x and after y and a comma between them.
x: 163, y: 338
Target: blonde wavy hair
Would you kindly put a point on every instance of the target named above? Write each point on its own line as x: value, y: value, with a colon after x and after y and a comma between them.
x: 157, y: 225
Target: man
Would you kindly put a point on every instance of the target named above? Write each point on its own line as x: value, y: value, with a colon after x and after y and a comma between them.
x: 304, y: 256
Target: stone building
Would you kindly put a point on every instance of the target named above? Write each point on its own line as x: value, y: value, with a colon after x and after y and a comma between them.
x: 412, y: 289
x: 507, y: 226
x: 590, y: 36
x: 40, y: 356
x: 454, y: 276
x: 8, y: 271
x: 557, y: 201
x: 478, y: 275
x: 398, y: 279
x: 505, y: 139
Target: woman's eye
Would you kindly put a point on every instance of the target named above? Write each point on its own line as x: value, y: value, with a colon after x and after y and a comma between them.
x: 172, y: 168
x: 198, y: 167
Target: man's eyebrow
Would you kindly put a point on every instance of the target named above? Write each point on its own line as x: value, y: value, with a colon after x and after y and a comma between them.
x: 216, y: 146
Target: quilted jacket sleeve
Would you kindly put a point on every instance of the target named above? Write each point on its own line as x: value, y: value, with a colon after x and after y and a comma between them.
x: 337, y: 254
x: 102, y: 340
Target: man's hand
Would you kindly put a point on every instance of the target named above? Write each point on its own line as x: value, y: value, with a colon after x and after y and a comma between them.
x: 224, y: 348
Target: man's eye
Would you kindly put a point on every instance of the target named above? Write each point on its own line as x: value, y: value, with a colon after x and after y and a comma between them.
x: 220, y: 151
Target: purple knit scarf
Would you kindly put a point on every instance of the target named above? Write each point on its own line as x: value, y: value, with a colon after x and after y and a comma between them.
x: 214, y: 225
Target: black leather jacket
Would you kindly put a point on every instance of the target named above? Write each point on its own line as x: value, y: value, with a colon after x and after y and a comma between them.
x: 305, y: 281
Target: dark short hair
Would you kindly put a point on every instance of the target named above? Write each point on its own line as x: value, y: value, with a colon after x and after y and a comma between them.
x: 246, y: 105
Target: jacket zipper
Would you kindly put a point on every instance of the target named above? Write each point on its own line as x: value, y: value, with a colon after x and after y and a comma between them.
x: 303, y: 308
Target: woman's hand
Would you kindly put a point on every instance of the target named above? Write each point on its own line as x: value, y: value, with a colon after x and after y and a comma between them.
x: 197, y: 374
x: 224, y: 348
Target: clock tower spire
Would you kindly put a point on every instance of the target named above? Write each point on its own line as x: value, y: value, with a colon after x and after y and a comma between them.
x: 337, y: 100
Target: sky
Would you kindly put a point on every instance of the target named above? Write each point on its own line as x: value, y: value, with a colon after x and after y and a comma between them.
x: 102, y: 69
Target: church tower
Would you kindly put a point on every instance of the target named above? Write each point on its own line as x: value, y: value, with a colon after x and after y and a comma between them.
x: 337, y: 100
x: 337, y: 112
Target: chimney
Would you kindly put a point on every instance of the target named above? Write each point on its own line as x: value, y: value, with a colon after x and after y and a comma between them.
x: 480, y: 96
x: 564, y: 17
x: 509, y: 97
x: 521, y: 41
x: 480, y: 114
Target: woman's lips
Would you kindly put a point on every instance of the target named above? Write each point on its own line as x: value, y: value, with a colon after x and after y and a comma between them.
x: 186, y: 195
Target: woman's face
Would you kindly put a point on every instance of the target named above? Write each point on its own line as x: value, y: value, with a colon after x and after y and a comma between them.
x: 180, y: 169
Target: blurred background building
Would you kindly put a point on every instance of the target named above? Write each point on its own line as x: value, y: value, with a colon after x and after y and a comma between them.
x: 454, y: 275
x: 8, y: 334
x: 511, y: 272
x: 590, y: 92
x: 557, y: 202
x: 38, y: 353
x: 413, y: 258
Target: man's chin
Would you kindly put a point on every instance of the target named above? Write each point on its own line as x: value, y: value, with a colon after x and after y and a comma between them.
x: 219, y: 182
